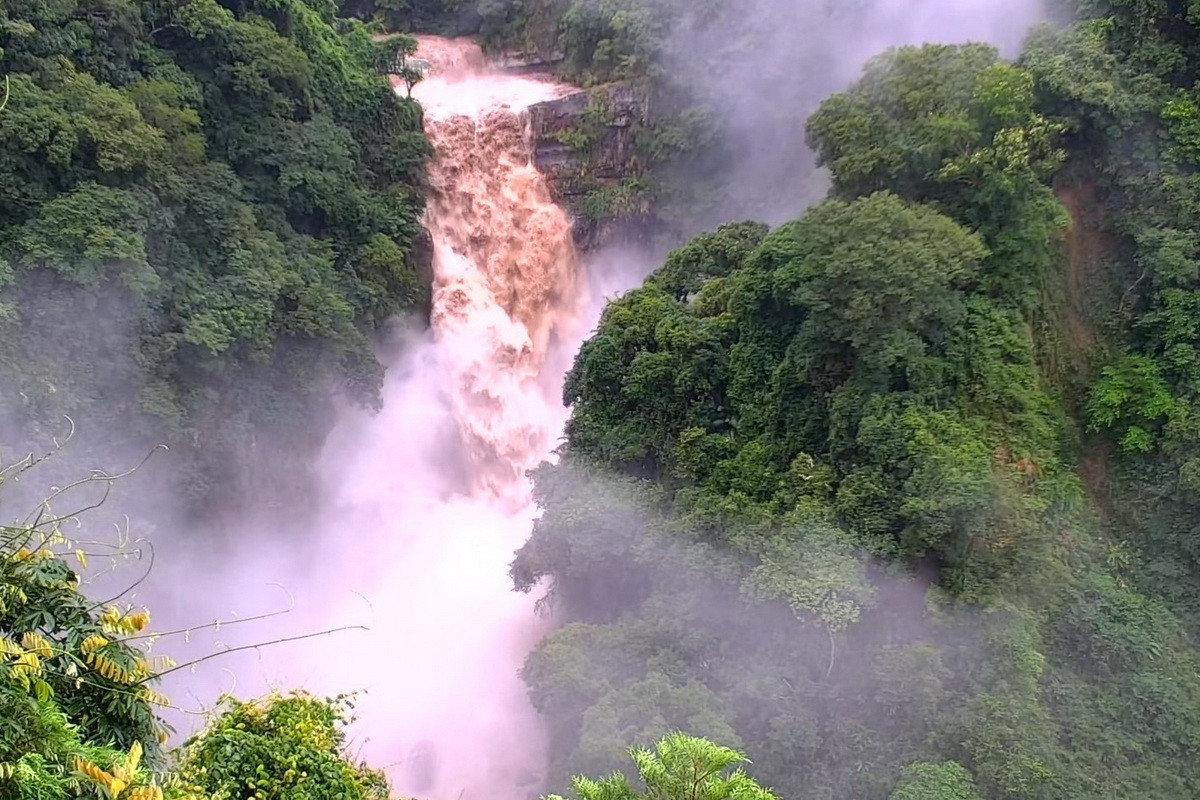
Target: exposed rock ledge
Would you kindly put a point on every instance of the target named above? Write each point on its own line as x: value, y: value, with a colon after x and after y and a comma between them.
x: 584, y: 142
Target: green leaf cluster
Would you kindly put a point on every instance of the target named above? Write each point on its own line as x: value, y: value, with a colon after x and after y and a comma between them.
x: 75, y: 704
x: 280, y: 746
x: 204, y: 197
x: 680, y: 767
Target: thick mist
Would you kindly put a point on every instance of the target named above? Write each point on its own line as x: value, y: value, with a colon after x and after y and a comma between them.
x: 763, y: 66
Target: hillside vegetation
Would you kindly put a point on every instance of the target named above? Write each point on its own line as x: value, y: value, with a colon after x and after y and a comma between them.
x: 729, y: 85
x: 205, y: 210
x: 910, y: 481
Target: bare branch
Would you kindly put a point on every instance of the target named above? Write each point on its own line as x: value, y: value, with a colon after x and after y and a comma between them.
x: 1125, y: 296
x: 134, y: 585
x: 231, y: 650
x: 97, y: 476
x: 220, y: 623
x: 30, y: 461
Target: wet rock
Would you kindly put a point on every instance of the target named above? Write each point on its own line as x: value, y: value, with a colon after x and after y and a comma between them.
x: 585, y: 142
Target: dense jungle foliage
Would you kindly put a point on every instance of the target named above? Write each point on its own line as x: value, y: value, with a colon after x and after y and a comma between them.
x: 205, y: 211
x: 900, y: 498
x: 79, y: 716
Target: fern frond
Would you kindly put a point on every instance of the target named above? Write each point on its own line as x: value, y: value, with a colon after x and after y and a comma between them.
x: 131, y: 763
x: 113, y: 621
x: 110, y: 618
x: 143, y: 793
x: 98, y: 775
x: 27, y: 663
x: 154, y: 698
x: 110, y: 669
x: 138, y: 622
x: 159, y: 664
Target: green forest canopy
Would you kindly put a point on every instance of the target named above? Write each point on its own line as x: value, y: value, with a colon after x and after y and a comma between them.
x: 205, y: 211
x: 971, y: 366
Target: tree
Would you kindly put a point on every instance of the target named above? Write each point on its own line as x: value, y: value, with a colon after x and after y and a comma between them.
x: 945, y: 781
x: 195, y: 197
x: 681, y: 767
x: 396, y: 58
x: 278, y: 746
x: 1131, y: 399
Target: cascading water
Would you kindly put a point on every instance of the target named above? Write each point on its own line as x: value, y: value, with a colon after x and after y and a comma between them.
x: 436, y: 481
x: 506, y: 271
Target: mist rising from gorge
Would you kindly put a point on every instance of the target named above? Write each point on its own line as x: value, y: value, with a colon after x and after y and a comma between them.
x: 765, y: 65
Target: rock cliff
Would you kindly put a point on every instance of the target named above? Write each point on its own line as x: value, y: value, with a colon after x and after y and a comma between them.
x: 586, y: 143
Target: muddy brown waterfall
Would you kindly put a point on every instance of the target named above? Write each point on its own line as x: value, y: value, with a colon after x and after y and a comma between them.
x: 506, y: 271
x: 506, y: 283
x: 440, y: 472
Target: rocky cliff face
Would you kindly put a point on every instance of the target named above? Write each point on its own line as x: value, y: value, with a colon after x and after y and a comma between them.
x: 585, y: 143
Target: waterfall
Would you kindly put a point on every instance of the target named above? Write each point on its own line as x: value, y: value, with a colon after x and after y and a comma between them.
x: 437, y: 479
x: 426, y: 502
x: 506, y: 274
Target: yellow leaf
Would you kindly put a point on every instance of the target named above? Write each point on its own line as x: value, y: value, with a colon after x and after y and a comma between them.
x: 144, y: 793
x: 135, y: 758
x: 95, y: 773
x: 37, y: 643
x: 92, y: 643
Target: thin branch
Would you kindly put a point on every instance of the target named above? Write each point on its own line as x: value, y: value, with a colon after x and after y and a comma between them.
x: 162, y: 28
x: 96, y: 477
x: 829, y: 671
x: 232, y: 650
x: 55, y: 520
x: 220, y: 623
x: 134, y: 585
x: 1121, y: 305
x: 23, y: 464
x: 70, y: 435
x: 30, y: 461
x: 210, y: 710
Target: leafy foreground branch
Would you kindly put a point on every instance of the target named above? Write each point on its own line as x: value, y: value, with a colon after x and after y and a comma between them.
x: 681, y: 767
x: 77, y: 714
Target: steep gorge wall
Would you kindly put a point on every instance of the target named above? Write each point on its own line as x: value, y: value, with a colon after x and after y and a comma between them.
x: 585, y: 143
